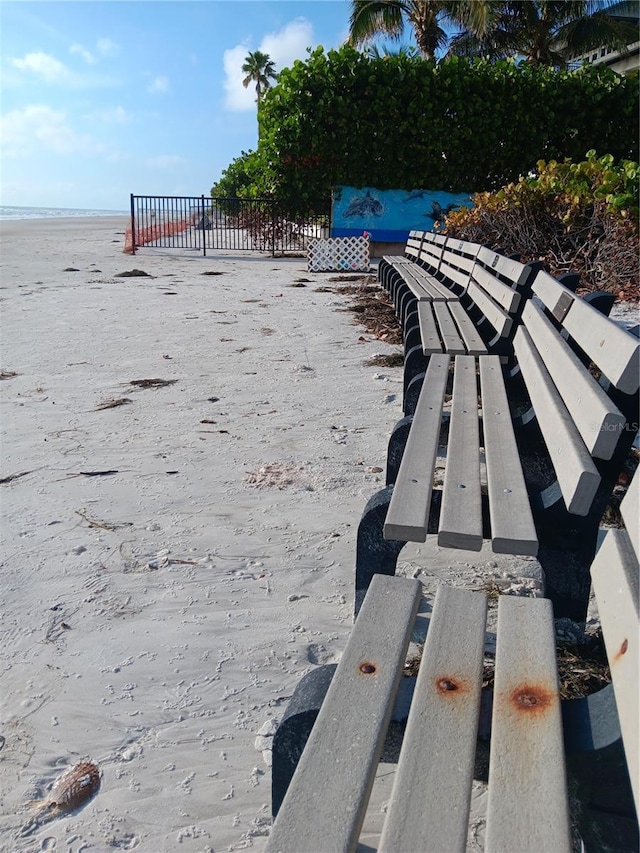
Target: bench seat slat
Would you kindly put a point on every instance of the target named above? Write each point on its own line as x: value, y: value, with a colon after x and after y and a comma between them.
x: 527, y: 805
x: 408, y: 514
x: 420, y: 288
x: 575, y: 470
x: 598, y: 420
x: 468, y: 331
x: 431, y: 285
x: 614, y: 573
x: 461, y: 514
x: 512, y: 527
x: 448, y: 331
x: 428, y: 331
x: 431, y: 794
x: 337, y: 768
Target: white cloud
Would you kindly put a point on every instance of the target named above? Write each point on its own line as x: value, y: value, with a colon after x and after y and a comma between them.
x: 110, y: 115
x: 159, y: 85
x: 106, y: 47
x: 42, y: 65
x: 39, y: 127
x: 283, y: 47
x: 165, y: 161
x: 88, y: 57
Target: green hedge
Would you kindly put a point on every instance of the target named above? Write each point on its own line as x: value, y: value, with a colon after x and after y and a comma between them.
x: 340, y: 118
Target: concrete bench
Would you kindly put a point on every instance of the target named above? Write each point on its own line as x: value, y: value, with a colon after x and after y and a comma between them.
x: 534, y: 469
x: 325, y: 804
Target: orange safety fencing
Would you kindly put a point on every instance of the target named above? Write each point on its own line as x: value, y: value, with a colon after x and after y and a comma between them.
x: 151, y: 233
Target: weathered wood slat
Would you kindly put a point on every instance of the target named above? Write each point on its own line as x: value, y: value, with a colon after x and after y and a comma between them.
x: 408, y: 514
x: 498, y: 318
x: 505, y: 296
x: 575, y: 470
x: 599, y: 422
x: 614, y: 573
x: 461, y: 513
x: 557, y: 298
x: 336, y: 771
x: 451, y: 340
x: 431, y: 794
x: 527, y: 806
x: 463, y: 262
x: 454, y: 274
x: 420, y: 286
x: 614, y: 350
x: 512, y: 527
x: 431, y: 285
x: 428, y: 331
x: 467, y: 328
x: 515, y: 271
x: 630, y: 509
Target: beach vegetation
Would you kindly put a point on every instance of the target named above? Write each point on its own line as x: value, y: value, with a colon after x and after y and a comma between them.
x: 341, y: 118
x: 574, y: 216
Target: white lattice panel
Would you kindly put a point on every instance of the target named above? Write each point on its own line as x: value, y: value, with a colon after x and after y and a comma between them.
x: 339, y: 253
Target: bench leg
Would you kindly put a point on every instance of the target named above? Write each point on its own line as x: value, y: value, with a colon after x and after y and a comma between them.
x: 396, y: 446
x: 605, y: 816
x: 412, y: 393
x: 293, y: 732
x: 415, y: 364
x: 375, y: 555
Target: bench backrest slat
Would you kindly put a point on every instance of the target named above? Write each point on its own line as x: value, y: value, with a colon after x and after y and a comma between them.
x: 610, y: 347
x: 614, y: 350
x: 499, y: 319
x: 577, y: 475
x: 630, y: 509
x: 527, y: 806
x: 614, y: 574
x: 598, y: 420
x: 431, y: 795
x: 337, y: 768
x: 505, y: 296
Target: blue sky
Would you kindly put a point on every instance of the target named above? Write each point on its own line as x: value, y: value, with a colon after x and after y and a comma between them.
x: 101, y: 99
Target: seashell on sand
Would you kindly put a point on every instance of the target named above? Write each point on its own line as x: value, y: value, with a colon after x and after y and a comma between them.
x: 76, y: 785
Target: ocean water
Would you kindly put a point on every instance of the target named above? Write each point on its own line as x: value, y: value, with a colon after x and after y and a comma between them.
x: 8, y: 212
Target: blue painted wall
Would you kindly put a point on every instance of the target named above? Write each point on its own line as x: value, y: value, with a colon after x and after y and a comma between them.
x: 389, y: 215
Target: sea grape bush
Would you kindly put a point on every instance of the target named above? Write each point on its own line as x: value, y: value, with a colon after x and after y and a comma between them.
x: 573, y: 216
x: 341, y: 118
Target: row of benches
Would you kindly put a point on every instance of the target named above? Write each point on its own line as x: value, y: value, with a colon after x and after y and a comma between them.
x: 543, y: 412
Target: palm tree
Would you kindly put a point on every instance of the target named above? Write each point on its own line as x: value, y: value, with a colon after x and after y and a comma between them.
x: 546, y: 32
x: 370, y: 18
x: 260, y: 70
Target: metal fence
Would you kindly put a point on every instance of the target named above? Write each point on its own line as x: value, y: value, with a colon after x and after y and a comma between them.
x: 202, y: 223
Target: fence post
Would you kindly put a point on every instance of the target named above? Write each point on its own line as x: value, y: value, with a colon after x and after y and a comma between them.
x: 273, y: 228
x: 204, y: 231
x: 133, y: 226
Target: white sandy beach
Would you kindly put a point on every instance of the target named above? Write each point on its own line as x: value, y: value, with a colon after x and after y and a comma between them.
x: 172, y: 565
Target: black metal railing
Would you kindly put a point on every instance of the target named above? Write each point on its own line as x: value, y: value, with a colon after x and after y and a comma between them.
x: 202, y: 222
